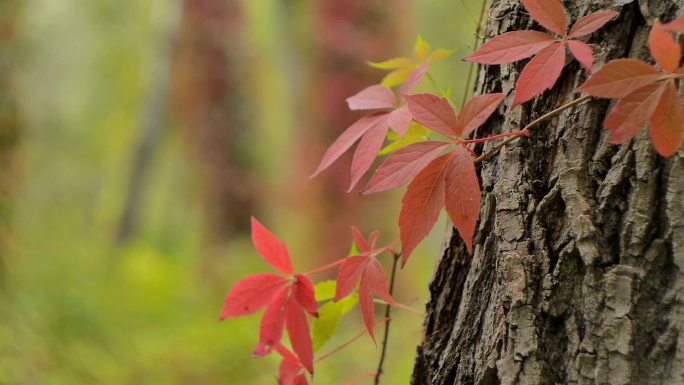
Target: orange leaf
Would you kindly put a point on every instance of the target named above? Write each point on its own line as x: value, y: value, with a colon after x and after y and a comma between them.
x: 620, y: 78
x: 667, y: 123
x: 676, y: 25
x: 665, y: 50
x: 632, y: 113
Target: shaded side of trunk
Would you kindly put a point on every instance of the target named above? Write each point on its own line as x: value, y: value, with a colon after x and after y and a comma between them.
x: 576, y: 276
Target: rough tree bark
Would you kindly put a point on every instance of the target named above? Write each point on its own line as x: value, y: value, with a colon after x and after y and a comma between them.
x: 577, y: 275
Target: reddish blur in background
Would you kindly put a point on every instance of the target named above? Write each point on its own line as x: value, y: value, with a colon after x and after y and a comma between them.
x: 136, y: 140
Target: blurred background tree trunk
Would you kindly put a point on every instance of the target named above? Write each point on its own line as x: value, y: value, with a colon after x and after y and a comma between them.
x: 576, y: 276
x: 9, y: 122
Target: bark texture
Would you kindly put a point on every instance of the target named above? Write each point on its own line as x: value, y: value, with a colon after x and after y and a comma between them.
x: 577, y: 275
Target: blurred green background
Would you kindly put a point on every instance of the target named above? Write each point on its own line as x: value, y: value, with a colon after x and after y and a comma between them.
x: 136, y: 140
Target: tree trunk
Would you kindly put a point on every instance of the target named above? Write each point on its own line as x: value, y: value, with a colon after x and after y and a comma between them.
x: 577, y: 275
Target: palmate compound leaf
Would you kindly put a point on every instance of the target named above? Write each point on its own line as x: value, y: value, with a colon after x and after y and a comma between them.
x: 463, y: 194
x: 548, y: 13
x: 421, y: 206
x: 540, y: 74
x: 620, y: 78
x: 664, y: 49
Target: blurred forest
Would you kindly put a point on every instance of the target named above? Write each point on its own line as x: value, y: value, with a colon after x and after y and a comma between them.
x: 137, y: 138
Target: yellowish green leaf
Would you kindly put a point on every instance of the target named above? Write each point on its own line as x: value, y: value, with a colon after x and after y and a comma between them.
x: 396, y: 77
x: 416, y: 133
x: 329, y: 315
x: 440, y: 54
x: 421, y: 49
x: 325, y: 290
x: 393, y: 64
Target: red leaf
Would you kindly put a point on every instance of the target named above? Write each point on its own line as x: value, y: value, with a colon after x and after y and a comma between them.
x: 271, y: 248
x: 300, y: 337
x: 667, y: 123
x: 632, y: 113
x: 665, y: 50
x: 540, y: 74
x: 367, y: 151
x: 349, y: 275
x: 367, y: 306
x: 272, y: 322
x: 583, y: 53
x: 400, y: 120
x: 300, y: 380
x: 347, y: 139
x: 591, y: 23
x: 620, y: 78
x: 463, y: 194
x: 289, y: 368
x: 371, y: 98
x: 378, y: 280
x: 476, y: 112
x: 414, y: 79
x: 433, y: 112
x: 676, y: 25
x: 511, y: 46
x: 303, y: 292
x: 421, y: 205
x: 359, y: 240
x: 549, y: 13
x: 403, y: 165
x: 251, y: 294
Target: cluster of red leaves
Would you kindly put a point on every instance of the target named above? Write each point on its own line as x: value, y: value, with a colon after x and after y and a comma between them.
x: 645, y: 93
x: 287, y: 299
x: 543, y: 71
x: 372, y: 129
x: 365, y: 271
x: 437, y: 180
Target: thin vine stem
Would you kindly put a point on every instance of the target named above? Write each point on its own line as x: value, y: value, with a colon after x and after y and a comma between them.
x: 324, y: 268
x: 491, y: 152
x: 476, y: 43
x: 399, y: 305
x: 349, y: 342
x: 388, y: 314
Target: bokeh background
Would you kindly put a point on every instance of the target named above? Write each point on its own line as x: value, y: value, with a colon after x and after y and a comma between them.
x: 136, y: 139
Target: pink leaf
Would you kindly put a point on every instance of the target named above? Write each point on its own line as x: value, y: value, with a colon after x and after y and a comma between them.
x: 511, y: 46
x: 271, y: 330
x: 549, y: 13
x: 367, y: 306
x: 300, y: 337
x: 372, y: 98
x: 251, y: 294
x: 378, y: 279
x: 421, y: 205
x: 347, y: 139
x: 632, y: 113
x: 367, y: 151
x: 540, y: 74
x: 463, y: 194
x: 667, y: 122
x: 591, y: 23
x: 665, y: 50
x: 403, y: 165
x: 271, y: 248
x: 476, y: 112
x: 433, y: 112
x: 620, y: 78
x: 349, y: 275
x: 400, y: 120
x: 414, y: 79
x: 583, y: 53
x: 303, y: 292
